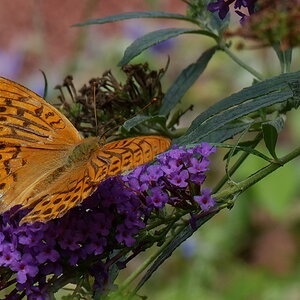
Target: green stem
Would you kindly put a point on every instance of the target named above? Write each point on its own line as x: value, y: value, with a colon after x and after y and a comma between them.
x: 287, y: 54
x: 245, y: 184
x: 237, y: 164
x: 142, y: 267
x: 284, y: 56
x: 242, y: 64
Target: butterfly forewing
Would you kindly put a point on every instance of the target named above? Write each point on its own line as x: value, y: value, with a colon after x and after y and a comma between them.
x: 35, y: 139
x: 28, y: 120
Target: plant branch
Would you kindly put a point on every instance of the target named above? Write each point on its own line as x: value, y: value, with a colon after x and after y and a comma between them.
x: 242, y: 64
x: 122, y: 292
x: 257, y: 176
x: 237, y: 164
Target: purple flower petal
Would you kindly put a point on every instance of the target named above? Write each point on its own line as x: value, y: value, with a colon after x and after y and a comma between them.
x: 180, y: 179
x: 205, y: 200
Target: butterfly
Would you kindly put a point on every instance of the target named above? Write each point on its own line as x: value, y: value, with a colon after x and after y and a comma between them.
x: 44, y: 162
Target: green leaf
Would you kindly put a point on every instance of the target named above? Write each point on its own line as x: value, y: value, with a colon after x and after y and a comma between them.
x: 185, y: 80
x: 175, y: 243
x: 222, y: 133
x: 259, y: 89
x: 225, y: 132
x: 270, y: 138
x: 136, y: 15
x: 294, y: 102
x: 217, y: 24
x: 212, y: 125
x: 153, y: 38
x: 271, y: 130
x: 243, y: 148
x: 139, y: 119
x: 205, y: 130
x: 284, y: 56
x: 247, y: 145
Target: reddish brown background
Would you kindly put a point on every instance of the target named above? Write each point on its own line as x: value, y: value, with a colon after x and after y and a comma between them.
x: 41, y: 29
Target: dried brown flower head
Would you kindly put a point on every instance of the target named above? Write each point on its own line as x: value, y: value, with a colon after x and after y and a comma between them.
x: 114, y: 102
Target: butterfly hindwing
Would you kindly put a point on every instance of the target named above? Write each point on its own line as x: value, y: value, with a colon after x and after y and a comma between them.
x: 129, y: 153
x: 60, y: 198
x: 82, y: 180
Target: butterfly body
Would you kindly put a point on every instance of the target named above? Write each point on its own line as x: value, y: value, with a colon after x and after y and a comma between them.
x: 84, y: 150
x: 44, y: 162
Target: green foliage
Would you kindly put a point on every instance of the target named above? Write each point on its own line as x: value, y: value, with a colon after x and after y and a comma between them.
x: 216, y: 123
x: 142, y: 119
x: 271, y: 130
x: 152, y: 39
x: 136, y: 15
x: 185, y: 80
x: 167, y: 251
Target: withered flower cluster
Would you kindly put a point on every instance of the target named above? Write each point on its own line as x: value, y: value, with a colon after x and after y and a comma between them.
x: 111, y: 101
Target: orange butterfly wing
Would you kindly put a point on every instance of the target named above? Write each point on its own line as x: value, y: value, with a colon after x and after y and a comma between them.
x: 28, y: 120
x: 34, y: 139
x: 117, y: 157
x: 40, y: 165
x: 79, y: 182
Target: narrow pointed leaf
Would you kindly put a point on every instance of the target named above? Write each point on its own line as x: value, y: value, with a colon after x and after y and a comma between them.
x: 241, y: 146
x: 271, y: 130
x: 295, y: 101
x: 139, y: 119
x: 284, y: 56
x: 211, y: 125
x: 153, y: 38
x: 185, y: 80
x: 45, y: 85
x: 136, y: 15
x: 208, y: 130
x: 270, y: 138
x: 176, y: 242
x: 268, y: 86
x: 217, y: 24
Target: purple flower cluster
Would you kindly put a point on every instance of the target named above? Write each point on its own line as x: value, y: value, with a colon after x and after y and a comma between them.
x: 170, y: 180
x: 108, y: 220
x: 222, y: 6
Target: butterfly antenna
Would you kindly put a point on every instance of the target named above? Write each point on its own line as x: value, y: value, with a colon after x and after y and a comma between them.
x: 153, y: 100
x: 95, y: 106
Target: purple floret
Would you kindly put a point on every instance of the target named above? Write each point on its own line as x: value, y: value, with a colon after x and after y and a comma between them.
x: 222, y: 7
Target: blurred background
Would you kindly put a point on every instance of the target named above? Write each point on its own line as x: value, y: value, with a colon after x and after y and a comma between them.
x: 249, y: 252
